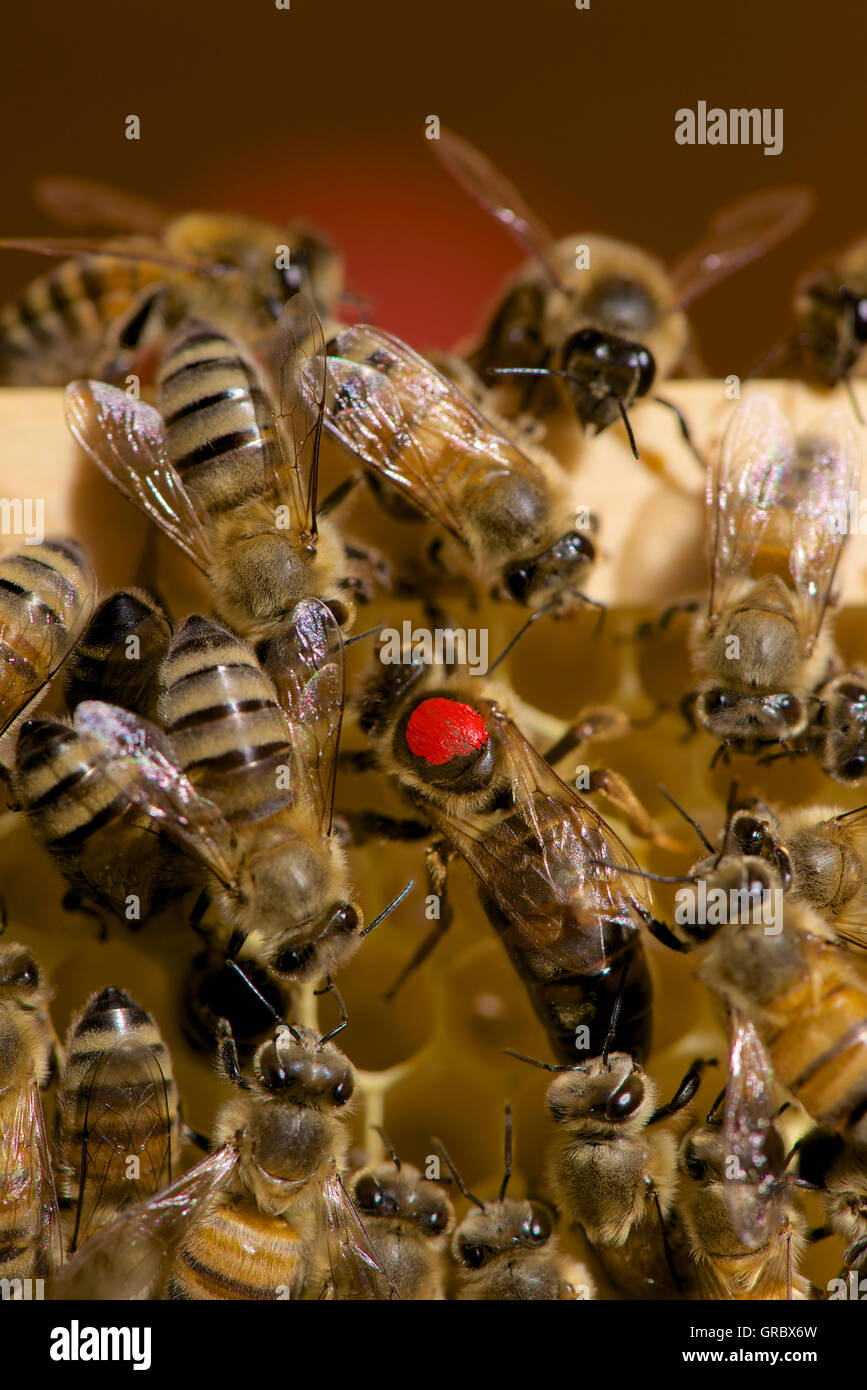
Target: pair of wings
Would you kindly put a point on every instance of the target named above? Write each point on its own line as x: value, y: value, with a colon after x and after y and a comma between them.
x: 575, y: 855
x: 131, y: 1258
x: 127, y: 1115
x: 755, y: 1184
x: 760, y: 476
x: 737, y: 234
x: 138, y: 760
x: 411, y: 426
x: 49, y: 645
x: 126, y: 440
x: 27, y: 1179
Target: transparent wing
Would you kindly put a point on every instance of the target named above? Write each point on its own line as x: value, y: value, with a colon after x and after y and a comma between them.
x: 748, y: 484
x: 754, y: 1155
x: 544, y: 864
x: 140, y: 761
x: 483, y: 181
x: 130, y: 1258
x: 41, y: 646
x: 297, y: 366
x: 817, y: 543
x: 411, y: 425
x: 139, y: 249
x: 737, y: 235
x: 125, y: 439
x: 306, y: 663
x: 81, y: 204
x: 127, y: 1116
x: 27, y: 1182
x: 354, y: 1269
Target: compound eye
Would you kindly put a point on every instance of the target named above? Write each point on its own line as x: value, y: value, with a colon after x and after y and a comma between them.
x: 293, y: 960
x: 342, y: 1091
x: 790, y: 708
x: 473, y: 1256
x: 693, y: 1164
x: 717, y: 700
x: 434, y: 1220
x: 343, y: 919
x: 538, y: 1229
x: 855, y: 768
x: 626, y: 1099
x: 592, y: 342
x: 27, y: 977
x: 339, y: 610
x: 271, y: 1070
x: 519, y: 580
x: 750, y: 836
x: 368, y: 1194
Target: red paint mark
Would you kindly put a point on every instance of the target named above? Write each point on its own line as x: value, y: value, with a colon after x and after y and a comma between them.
x: 439, y: 730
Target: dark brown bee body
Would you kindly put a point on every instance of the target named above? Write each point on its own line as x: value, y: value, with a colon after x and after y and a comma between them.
x: 118, y: 1121
x: 119, y: 655
x: 46, y: 592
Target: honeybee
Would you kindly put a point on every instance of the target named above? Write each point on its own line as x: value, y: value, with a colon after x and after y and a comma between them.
x: 549, y: 868
x: 409, y: 1220
x: 118, y: 1126
x: 824, y: 852
x: 92, y: 312
x: 85, y: 802
x: 227, y: 481
x: 743, y: 1226
x: 775, y: 536
x: 831, y: 314
x: 613, y: 1177
x: 839, y: 728
x: 119, y: 655
x: 507, y: 1251
x: 592, y: 322
x: 509, y: 529
x: 30, y: 1233
x: 805, y: 1005
x: 46, y: 596
x: 249, y: 1221
x: 838, y: 1170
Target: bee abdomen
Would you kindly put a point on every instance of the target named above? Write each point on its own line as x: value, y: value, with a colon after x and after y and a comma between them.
x: 61, y: 789
x: 238, y: 1252
x: 117, y: 659
x: 219, y: 424
x: 221, y: 713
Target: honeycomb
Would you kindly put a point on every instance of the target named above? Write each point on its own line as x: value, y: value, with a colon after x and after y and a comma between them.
x: 432, y: 1062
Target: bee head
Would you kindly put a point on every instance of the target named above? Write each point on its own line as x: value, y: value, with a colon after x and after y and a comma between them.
x: 500, y: 1228
x: 294, y: 1065
x: 402, y: 1195
x: 562, y: 566
x: 843, y: 718
x: 604, y: 372
x: 746, y: 720
x: 608, y: 1097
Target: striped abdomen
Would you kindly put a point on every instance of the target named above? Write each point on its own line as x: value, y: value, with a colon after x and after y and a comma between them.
x: 221, y: 713
x: 218, y: 421
x: 117, y: 1112
x: 57, y: 328
x: 239, y: 1252
x: 820, y: 1052
x: 83, y: 817
x: 46, y: 592
x: 119, y: 655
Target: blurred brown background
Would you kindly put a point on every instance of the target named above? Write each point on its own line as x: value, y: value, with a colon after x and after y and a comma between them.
x: 319, y: 109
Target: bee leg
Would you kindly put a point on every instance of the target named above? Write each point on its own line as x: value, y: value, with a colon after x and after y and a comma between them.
x: 338, y: 495
x: 364, y: 826
x: 619, y: 793
x: 200, y: 907
x: 685, y: 1091
x: 74, y: 900
x: 665, y: 935
x: 437, y: 858
x: 669, y: 1258
x: 228, y: 1064
x: 653, y: 627
x: 196, y: 1138
x: 592, y: 722
x: 684, y: 430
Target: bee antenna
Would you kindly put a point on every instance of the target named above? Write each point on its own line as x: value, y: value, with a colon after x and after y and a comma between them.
x: 731, y: 807
x: 615, y: 1016
x: 540, y: 613
x: 344, y: 1019
x: 643, y: 873
x: 688, y: 818
x: 360, y: 636
x: 262, y: 1000
x: 712, y: 1113
x: 534, y: 1062
x: 395, y: 902
x: 462, y: 1187
x: 4, y: 920
x: 858, y: 810
x: 389, y: 1148
x: 626, y: 425
x: 508, y: 1152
